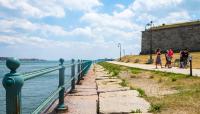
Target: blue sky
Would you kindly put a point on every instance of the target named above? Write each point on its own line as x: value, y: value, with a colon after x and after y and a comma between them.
x: 88, y: 29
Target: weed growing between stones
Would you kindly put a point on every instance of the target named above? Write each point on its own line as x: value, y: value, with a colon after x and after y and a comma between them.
x: 141, y: 92
x: 124, y: 83
x: 136, y: 111
x: 155, y: 108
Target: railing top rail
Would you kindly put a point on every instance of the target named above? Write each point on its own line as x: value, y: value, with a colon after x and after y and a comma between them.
x: 40, y: 73
x: 29, y: 75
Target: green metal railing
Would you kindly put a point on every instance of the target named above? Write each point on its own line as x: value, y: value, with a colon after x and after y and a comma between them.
x: 14, y: 81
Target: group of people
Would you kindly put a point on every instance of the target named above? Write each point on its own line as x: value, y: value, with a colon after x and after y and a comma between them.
x: 184, y: 55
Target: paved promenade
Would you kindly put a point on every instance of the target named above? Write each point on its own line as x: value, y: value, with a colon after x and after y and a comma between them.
x: 196, y: 72
x: 101, y: 94
x: 84, y: 98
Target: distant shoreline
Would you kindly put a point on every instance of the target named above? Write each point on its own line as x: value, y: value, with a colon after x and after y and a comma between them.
x: 22, y: 59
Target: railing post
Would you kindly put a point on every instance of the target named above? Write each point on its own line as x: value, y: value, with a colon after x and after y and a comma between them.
x: 79, y: 70
x: 85, y: 67
x: 82, y: 67
x: 73, y: 76
x: 61, y: 105
x: 190, y: 60
x: 13, y: 83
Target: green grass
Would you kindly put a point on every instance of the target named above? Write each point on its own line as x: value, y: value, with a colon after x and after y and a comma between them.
x: 141, y: 92
x: 124, y: 83
x: 135, y: 71
x: 112, y: 69
x: 187, y: 97
x: 155, y: 108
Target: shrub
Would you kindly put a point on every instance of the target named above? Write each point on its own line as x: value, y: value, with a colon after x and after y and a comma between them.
x: 137, y: 61
x: 160, y: 80
x: 151, y: 77
x: 155, y: 108
x: 133, y: 76
x: 174, y: 79
x: 141, y: 92
x: 132, y: 88
x: 124, y: 83
x: 135, y: 71
x: 136, y: 111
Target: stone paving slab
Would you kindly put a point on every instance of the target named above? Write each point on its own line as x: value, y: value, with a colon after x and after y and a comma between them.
x: 82, y: 104
x: 122, y: 102
x: 115, y: 99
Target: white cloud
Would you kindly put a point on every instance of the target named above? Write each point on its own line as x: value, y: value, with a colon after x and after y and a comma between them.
x: 115, y: 28
x: 16, y: 24
x: 35, y: 8
x: 44, y: 8
x: 31, y: 41
x: 174, y: 17
x: 145, y: 17
x: 12, y: 25
x: 125, y: 14
x: 50, y: 49
x: 120, y: 6
x: 102, y: 19
x: 86, y: 5
x: 147, y: 5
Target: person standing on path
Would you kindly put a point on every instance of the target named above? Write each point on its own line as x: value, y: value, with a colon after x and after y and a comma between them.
x: 185, y: 57
x: 181, y: 59
x: 167, y: 59
x: 158, y: 58
x: 170, y: 55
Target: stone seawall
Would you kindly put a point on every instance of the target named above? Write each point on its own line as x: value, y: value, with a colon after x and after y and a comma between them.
x: 176, y: 38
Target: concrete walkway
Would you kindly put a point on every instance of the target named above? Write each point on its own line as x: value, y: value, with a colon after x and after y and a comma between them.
x: 101, y: 94
x: 196, y: 72
x: 83, y: 100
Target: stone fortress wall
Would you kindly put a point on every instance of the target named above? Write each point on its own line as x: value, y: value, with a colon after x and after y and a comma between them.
x: 176, y: 36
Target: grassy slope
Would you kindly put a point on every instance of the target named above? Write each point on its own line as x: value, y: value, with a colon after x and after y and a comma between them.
x: 143, y: 58
x: 187, y: 99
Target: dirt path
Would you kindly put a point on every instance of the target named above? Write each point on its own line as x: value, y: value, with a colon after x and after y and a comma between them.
x: 196, y: 72
x: 145, y: 82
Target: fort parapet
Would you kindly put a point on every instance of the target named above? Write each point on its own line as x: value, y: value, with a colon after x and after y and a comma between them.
x: 175, y: 36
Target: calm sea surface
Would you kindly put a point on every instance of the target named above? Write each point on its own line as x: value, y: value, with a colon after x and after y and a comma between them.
x: 35, y: 90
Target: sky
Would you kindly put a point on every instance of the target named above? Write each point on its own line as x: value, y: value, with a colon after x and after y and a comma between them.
x: 83, y: 29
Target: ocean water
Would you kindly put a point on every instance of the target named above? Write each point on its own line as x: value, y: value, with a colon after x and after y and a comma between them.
x: 35, y: 90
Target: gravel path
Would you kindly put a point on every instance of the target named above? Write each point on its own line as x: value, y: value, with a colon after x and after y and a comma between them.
x: 196, y: 72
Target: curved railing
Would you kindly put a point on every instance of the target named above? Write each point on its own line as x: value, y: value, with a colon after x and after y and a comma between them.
x: 14, y: 81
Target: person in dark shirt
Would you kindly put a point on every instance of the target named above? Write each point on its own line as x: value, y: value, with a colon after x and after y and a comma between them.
x: 181, y: 59
x: 185, y: 57
x: 158, y: 58
x: 167, y: 64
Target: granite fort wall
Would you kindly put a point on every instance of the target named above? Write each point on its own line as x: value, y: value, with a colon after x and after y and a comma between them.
x: 176, y: 38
